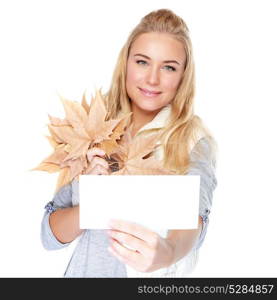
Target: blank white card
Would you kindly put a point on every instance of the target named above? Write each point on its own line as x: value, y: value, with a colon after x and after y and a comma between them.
x: 157, y: 202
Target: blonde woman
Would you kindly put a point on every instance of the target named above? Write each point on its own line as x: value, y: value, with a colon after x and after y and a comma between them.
x: 154, y: 78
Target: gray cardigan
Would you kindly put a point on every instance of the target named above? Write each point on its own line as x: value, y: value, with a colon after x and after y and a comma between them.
x: 91, y: 257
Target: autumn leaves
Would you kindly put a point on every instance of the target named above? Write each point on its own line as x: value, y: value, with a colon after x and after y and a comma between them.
x: 84, y: 127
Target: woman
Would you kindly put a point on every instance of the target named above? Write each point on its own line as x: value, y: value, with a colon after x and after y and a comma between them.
x: 153, y: 78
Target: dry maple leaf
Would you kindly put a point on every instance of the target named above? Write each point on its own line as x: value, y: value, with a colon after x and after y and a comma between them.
x: 110, y: 146
x: 131, y: 156
x: 83, y: 128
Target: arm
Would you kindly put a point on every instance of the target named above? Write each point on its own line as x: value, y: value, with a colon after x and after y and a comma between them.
x: 65, y: 224
x: 61, y: 227
x: 182, y: 241
x: 65, y: 211
x: 147, y: 251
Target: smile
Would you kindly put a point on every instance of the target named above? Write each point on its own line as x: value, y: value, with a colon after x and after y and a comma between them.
x: 148, y: 93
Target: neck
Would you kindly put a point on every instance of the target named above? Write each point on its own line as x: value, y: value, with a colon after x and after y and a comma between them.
x: 141, y: 117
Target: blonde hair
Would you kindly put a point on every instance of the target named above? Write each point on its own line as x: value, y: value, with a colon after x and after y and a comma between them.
x: 184, y: 127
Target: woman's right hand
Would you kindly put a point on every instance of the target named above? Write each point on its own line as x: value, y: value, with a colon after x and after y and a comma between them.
x: 97, y: 164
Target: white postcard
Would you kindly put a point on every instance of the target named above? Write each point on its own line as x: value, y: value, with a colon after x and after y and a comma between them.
x: 157, y: 202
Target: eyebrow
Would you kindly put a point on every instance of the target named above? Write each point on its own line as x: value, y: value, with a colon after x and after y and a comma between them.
x: 165, y: 61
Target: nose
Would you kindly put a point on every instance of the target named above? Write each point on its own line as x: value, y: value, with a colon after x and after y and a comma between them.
x: 153, y: 76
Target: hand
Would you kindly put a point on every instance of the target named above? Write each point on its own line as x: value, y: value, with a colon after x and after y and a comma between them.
x: 97, y: 164
x: 150, y: 251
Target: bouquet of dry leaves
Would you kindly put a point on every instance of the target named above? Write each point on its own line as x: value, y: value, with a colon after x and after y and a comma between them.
x: 84, y: 127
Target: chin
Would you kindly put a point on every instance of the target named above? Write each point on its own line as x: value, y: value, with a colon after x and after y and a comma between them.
x: 149, y: 108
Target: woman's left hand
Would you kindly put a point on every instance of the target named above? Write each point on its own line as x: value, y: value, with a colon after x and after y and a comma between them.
x: 151, y: 252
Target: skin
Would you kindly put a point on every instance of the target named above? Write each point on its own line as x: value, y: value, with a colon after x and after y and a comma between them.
x: 150, y: 251
x: 156, y: 63
x: 148, y: 70
x: 65, y: 223
x: 148, y: 67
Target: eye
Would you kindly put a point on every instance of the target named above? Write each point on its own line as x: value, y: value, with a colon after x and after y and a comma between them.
x: 141, y: 62
x: 170, y: 68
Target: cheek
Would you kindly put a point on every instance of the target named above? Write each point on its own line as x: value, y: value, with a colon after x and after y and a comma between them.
x: 171, y: 85
x: 133, y: 76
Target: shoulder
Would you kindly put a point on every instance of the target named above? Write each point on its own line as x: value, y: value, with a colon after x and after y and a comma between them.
x: 205, y: 149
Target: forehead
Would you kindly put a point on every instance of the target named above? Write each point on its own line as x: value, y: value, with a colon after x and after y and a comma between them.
x: 158, y: 45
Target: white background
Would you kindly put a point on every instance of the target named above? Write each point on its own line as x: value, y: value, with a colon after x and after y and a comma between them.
x: 67, y: 47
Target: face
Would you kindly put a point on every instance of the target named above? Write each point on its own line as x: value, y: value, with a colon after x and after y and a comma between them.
x: 154, y: 69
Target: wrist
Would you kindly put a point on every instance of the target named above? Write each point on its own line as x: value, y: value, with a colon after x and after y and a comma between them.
x: 171, y: 245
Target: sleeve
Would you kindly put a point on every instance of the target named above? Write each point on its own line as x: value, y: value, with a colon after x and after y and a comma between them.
x: 62, y: 199
x: 203, y: 163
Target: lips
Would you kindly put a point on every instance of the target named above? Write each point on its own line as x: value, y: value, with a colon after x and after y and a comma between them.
x: 149, y: 93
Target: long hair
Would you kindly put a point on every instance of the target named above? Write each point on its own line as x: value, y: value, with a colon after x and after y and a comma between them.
x: 184, y: 128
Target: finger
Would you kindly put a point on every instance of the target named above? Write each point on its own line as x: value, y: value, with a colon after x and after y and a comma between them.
x: 132, y: 264
x: 126, y: 254
x: 98, y: 170
x: 137, y: 230
x: 114, y: 253
x: 93, y: 152
x: 130, y: 241
x: 99, y: 161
